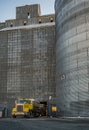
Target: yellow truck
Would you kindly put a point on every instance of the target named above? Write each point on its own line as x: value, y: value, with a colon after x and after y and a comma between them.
x: 27, y: 108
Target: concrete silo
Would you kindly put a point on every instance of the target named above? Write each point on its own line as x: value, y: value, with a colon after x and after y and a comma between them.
x: 72, y: 56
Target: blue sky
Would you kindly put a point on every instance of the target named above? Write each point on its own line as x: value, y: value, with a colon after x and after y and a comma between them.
x: 8, y: 7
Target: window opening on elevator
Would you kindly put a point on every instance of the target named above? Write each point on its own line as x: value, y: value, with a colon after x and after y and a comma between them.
x: 11, y: 24
x: 28, y: 15
x: 51, y: 19
x: 25, y: 22
x: 40, y: 21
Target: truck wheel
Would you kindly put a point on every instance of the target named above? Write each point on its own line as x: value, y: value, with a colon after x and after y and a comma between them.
x: 30, y: 114
x: 14, y: 116
x: 25, y: 116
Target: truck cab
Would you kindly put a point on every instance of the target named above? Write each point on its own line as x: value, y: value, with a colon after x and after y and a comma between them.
x: 23, y: 107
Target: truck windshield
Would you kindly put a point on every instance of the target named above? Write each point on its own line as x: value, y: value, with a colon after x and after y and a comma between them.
x: 24, y: 101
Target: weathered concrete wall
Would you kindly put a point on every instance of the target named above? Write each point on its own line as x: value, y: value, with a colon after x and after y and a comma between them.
x: 3, y: 65
x: 2, y: 25
x: 30, y: 21
x: 28, y: 11
x: 29, y: 58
